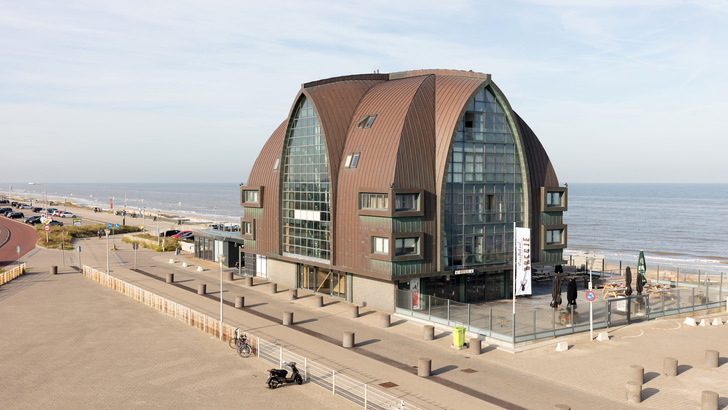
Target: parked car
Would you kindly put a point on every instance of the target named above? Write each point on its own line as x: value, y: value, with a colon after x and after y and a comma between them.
x: 3, y: 211
x: 15, y: 215
x: 56, y: 212
x: 36, y: 209
x: 67, y: 215
x: 4, y: 201
x: 13, y: 203
x: 179, y: 234
x: 32, y: 220
x: 55, y: 223
x: 25, y: 206
x: 169, y: 233
x: 188, y: 235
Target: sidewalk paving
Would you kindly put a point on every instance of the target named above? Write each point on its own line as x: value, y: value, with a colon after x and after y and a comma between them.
x: 590, y: 374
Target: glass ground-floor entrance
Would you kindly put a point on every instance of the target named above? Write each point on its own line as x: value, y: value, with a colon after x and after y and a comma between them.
x: 468, y: 288
x: 321, y: 280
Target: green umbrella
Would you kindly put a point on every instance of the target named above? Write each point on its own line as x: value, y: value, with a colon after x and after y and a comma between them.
x: 641, y: 270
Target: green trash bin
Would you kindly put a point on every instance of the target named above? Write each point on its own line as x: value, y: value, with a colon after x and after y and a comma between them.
x: 458, y: 336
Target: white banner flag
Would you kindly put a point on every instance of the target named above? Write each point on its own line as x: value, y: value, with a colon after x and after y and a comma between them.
x: 522, y: 236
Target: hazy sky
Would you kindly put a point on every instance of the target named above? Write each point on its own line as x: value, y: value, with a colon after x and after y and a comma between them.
x: 133, y: 91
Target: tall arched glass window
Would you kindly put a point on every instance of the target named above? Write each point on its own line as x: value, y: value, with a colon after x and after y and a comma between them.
x: 484, y: 188
x: 306, y: 216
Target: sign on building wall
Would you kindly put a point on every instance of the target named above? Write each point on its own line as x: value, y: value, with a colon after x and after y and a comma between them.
x: 522, y: 236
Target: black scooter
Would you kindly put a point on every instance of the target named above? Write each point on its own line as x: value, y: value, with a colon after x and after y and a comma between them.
x: 278, y: 376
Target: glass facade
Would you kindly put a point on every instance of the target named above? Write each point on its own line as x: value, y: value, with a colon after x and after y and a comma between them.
x: 306, y: 217
x: 484, y: 193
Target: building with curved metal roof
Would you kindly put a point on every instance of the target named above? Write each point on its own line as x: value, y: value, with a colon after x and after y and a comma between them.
x: 377, y: 182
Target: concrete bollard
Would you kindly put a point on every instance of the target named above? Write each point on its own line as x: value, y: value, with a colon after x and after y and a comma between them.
x: 54, y: 270
x: 562, y: 346
x: 348, y: 339
x: 273, y: 288
x: 384, y: 320
x: 669, y: 366
x: 201, y: 289
x: 318, y: 301
x: 354, y: 312
x: 475, y: 347
x: 239, y: 302
x: 171, y: 261
x: 711, y: 358
x: 170, y: 278
x: 637, y: 374
x: 248, y: 281
x: 429, y: 332
x: 561, y: 407
x: 709, y: 400
x: 292, y: 294
x: 424, y: 367
x: 229, y: 276
x: 199, y: 269
x: 184, y: 264
x: 603, y: 336
x: 634, y: 392
x: 287, y: 318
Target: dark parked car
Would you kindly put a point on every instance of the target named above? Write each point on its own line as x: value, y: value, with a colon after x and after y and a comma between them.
x: 3, y: 211
x: 36, y: 209
x: 55, y: 223
x: 33, y: 220
x: 4, y: 201
x: 15, y: 215
x: 187, y: 235
x: 13, y: 203
x: 169, y: 233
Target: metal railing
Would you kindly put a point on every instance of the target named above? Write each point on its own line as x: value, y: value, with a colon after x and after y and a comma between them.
x: 502, y: 324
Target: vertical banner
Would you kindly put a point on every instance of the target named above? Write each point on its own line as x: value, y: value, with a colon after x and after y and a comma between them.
x: 415, y: 289
x: 522, y: 237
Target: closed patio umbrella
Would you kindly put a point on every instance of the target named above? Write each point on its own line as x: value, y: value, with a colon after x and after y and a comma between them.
x: 628, y: 281
x: 571, y: 292
x: 641, y: 269
x: 556, y: 292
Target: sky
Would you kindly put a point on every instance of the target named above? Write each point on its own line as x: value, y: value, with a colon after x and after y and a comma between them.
x: 189, y: 91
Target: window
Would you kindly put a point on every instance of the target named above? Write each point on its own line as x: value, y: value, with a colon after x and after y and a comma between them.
x: 406, y: 246
x: 380, y: 245
x: 366, y: 121
x: 251, y: 196
x: 554, y: 236
x: 275, y: 166
x: 379, y: 202
x: 407, y: 202
x: 351, y: 160
x: 247, y: 228
x: 553, y: 198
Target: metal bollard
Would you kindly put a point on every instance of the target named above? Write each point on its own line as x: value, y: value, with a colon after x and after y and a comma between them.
x: 709, y: 400
x: 475, y: 347
x: 201, y: 289
x: 54, y: 270
x: 424, y: 367
x: 318, y: 301
x: 287, y: 318
x: 384, y: 320
x: 669, y: 366
x: 637, y: 374
x: 292, y: 294
x: 634, y: 392
x: 273, y: 288
x: 239, y: 302
x: 348, y: 339
x: 229, y: 276
x: 429, y: 332
x: 248, y: 281
x: 170, y: 278
x: 711, y: 358
x: 354, y: 312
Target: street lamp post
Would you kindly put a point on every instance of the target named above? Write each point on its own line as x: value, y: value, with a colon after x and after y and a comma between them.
x: 45, y: 194
x: 107, y: 249
x: 221, y: 258
x: 589, y: 263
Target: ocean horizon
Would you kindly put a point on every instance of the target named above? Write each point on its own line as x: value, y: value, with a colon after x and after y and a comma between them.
x: 675, y: 224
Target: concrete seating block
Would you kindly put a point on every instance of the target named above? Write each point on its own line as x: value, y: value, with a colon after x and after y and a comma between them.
x: 562, y: 347
x: 292, y: 294
x: 669, y: 366
x: 690, y: 321
x: 348, y: 339
x: 424, y: 367
x: 201, y: 289
x: 711, y: 358
x: 475, y: 347
x: 354, y: 312
x: 318, y: 301
x: 273, y: 288
x: 170, y: 278
x: 229, y: 276
x: 171, y: 261
x: 54, y: 270
x: 717, y: 321
x: 704, y: 322
x: 637, y: 374
x: 239, y: 302
x: 603, y: 337
x: 634, y: 392
x: 429, y: 332
x: 384, y: 320
x: 184, y: 264
x: 287, y: 318
x: 709, y: 400
x: 199, y: 269
x: 248, y: 281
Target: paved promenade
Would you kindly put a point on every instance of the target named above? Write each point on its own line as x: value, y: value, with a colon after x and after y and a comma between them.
x: 591, y: 374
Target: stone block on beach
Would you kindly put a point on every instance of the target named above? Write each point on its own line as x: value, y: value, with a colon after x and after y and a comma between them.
x: 690, y: 321
x: 704, y: 322
x: 717, y: 321
x: 562, y: 347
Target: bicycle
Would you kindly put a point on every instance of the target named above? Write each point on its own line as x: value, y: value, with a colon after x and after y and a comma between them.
x: 240, y: 343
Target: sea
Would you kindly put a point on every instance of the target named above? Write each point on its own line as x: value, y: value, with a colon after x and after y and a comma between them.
x: 683, y: 225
